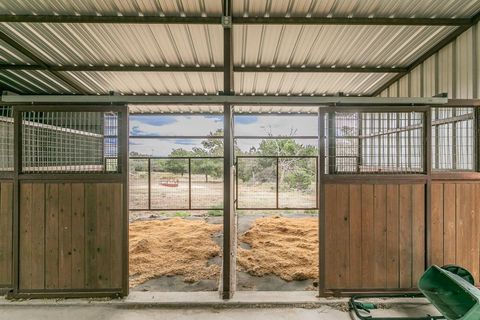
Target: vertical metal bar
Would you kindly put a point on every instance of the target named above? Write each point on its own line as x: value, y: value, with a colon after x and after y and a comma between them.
x: 123, y: 128
x: 229, y: 234
x: 332, y: 137
x: 17, y: 167
x: 437, y: 141
x: 236, y: 182
x: 359, y: 142
x: 189, y: 183
x: 321, y: 200
x: 277, y: 185
x: 476, y: 137
x: 397, y: 144
x: 149, y: 177
x: 427, y: 149
x: 454, y: 140
x: 409, y: 144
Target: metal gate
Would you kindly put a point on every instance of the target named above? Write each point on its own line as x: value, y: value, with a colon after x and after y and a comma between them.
x: 277, y: 183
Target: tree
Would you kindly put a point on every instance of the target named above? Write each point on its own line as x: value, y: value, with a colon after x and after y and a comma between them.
x: 177, y: 166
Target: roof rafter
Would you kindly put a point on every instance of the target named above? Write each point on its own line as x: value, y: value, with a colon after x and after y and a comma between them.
x: 39, y: 62
x: 246, y: 69
x: 236, y: 20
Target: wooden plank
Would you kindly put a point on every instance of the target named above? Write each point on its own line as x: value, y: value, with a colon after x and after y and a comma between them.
x: 25, y: 250
x: 405, y: 249
x: 418, y: 233
x: 102, y: 237
x: 436, y: 230
x: 465, y: 211
x: 78, y: 236
x: 6, y: 216
x: 476, y: 234
x: 342, y: 229
x: 52, y: 236
x: 116, y: 236
x: 449, y: 223
x: 38, y: 236
x: 380, y: 236
x: 355, y: 213
x: 65, y: 235
x: 393, y: 235
x: 330, y: 243
x: 368, y: 243
x: 90, y: 235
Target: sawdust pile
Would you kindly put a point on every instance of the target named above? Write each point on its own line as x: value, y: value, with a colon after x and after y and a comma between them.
x: 286, y: 247
x: 174, y: 247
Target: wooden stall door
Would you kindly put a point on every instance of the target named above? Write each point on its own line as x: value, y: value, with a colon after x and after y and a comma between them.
x: 374, y: 236
x: 455, y: 225
x: 71, y: 237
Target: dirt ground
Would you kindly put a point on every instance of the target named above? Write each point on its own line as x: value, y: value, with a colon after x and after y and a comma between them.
x: 285, y: 247
x: 174, y: 247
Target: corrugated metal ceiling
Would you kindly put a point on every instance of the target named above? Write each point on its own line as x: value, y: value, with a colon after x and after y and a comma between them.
x: 333, y: 45
x: 303, y: 8
x: 202, y: 45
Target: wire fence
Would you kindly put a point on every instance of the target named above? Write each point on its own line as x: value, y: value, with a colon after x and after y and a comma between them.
x: 69, y: 142
x: 453, y: 139
x: 374, y: 142
x: 277, y: 182
x: 176, y: 183
x: 6, y: 138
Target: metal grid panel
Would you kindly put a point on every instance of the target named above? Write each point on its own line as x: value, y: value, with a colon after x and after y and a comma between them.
x: 256, y: 183
x: 207, y: 183
x: 6, y: 138
x: 69, y: 142
x: 277, y: 182
x: 138, y: 184
x: 297, y: 186
x: 327, y: 45
x: 381, y: 143
x: 169, y: 184
x: 453, y: 139
x: 356, y: 8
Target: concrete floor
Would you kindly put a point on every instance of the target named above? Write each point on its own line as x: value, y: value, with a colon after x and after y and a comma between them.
x: 106, y: 313
x: 206, y: 305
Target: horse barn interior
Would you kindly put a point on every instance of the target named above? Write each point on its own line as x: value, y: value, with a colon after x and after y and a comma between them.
x: 322, y: 148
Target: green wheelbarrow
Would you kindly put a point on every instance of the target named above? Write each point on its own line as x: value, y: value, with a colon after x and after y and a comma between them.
x: 449, y: 288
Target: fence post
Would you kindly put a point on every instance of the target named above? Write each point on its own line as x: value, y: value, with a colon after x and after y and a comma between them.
x: 149, y: 175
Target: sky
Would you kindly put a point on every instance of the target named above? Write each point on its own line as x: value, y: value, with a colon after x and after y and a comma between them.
x: 203, y: 125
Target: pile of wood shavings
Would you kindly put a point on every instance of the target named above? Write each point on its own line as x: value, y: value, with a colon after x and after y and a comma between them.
x: 174, y: 247
x: 286, y: 247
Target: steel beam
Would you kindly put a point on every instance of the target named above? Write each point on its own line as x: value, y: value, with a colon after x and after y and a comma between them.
x: 246, y: 69
x: 440, y: 45
x: 229, y: 221
x: 108, y: 19
x: 379, y: 102
x: 4, y: 37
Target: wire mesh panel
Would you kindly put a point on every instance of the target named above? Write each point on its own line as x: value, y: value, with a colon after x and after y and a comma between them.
x: 138, y: 184
x: 169, y: 184
x: 374, y: 142
x: 297, y: 182
x: 206, y: 183
x: 61, y: 142
x: 6, y: 139
x: 453, y: 138
x: 257, y: 182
